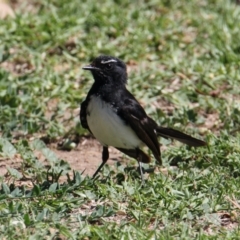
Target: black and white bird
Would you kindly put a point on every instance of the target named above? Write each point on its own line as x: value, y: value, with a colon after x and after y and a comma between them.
x: 115, y: 118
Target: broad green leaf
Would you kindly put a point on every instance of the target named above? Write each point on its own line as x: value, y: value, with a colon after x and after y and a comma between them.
x: 6, y: 148
x: 14, y: 173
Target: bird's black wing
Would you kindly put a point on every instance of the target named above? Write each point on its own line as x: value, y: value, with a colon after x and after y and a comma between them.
x: 134, y: 115
x: 83, y: 115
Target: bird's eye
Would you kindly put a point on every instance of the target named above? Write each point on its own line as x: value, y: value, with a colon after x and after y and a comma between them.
x: 108, y: 66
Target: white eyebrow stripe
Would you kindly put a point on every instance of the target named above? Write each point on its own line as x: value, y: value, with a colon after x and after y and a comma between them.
x: 108, y: 61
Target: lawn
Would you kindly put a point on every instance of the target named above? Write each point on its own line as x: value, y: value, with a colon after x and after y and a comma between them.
x: 183, y: 61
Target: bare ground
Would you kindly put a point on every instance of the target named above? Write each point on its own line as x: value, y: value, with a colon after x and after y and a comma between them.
x: 85, y: 157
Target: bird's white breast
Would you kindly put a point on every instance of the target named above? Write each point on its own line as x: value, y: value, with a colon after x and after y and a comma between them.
x: 108, y: 128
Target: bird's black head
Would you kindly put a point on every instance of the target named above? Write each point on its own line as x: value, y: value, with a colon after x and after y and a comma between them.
x: 107, y: 69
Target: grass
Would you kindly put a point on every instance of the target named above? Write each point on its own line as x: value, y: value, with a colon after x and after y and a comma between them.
x: 183, y: 59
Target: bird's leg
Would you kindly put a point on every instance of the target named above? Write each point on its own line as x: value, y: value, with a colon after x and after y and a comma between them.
x: 141, y: 172
x: 105, y: 155
x: 139, y: 159
x: 139, y: 155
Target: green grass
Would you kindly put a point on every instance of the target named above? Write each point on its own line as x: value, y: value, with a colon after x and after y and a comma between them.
x: 184, y: 61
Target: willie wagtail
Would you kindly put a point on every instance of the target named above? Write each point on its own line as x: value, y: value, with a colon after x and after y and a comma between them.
x: 115, y: 118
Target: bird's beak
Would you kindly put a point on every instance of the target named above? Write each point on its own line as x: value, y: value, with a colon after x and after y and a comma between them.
x: 90, y: 67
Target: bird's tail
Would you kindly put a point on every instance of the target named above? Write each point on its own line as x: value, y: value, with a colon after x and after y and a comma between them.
x: 180, y: 136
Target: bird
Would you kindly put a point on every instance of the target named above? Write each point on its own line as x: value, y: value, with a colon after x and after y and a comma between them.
x: 115, y: 118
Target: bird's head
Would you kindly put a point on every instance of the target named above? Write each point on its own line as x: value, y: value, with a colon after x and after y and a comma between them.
x: 107, y: 69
